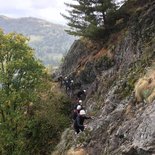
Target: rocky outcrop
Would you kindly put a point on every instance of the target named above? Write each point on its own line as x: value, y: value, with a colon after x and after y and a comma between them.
x: 78, y: 52
x: 121, y: 126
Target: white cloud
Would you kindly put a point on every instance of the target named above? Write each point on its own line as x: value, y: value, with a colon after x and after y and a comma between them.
x: 45, y: 9
x: 52, y: 15
x: 40, y: 4
x: 16, y: 4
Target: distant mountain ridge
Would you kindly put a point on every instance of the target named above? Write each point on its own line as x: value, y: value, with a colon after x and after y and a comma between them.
x: 49, y: 40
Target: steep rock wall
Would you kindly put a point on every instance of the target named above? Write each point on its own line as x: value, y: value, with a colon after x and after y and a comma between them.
x: 121, y: 126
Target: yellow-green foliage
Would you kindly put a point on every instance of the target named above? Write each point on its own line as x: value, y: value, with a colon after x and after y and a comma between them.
x: 32, y: 117
x: 51, y: 118
x: 145, y: 87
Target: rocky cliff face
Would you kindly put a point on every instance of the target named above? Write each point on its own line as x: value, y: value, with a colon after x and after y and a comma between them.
x: 109, y: 72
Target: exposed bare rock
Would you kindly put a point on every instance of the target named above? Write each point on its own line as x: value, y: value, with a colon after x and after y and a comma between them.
x: 120, y: 125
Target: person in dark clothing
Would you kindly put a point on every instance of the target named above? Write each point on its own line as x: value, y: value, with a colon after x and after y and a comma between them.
x: 66, y: 83
x: 81, y: 94
x: 76, y: 107
x: 78, y: 123
x: 76, y: 112
x: 70, y: 87
x: 78, y: 103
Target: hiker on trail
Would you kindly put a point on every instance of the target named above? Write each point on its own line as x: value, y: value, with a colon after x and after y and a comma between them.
x: 66, y: 83
x: 81, y: 94
x: 76, y: 112
x: 70, y: 87
x: 71, y: 84
x: 78, y: 103
x: 78, y: 123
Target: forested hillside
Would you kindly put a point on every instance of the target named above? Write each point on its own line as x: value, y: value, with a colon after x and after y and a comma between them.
x: 49, y: 40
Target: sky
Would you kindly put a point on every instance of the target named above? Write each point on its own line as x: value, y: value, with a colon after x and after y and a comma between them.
x: 45, y: 9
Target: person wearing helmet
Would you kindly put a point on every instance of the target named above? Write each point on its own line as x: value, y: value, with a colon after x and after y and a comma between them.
x: 71, y: 84
x: 81, y: 94
x: 66, y: 83
x: 76, y: 109
x: 71, y: 87
x: 76, y: 112
x: 79, y: 102
x: 79, y: 121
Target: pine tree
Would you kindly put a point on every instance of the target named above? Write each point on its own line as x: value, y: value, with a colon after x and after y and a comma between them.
x: 103, y: 9
x: 79, y: 17
x: 90, y: 18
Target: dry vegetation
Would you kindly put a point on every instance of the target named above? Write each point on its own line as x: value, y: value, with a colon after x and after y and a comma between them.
x: 145, y: 87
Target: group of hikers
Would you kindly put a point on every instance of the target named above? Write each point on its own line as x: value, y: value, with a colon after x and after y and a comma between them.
x: 78, y: 110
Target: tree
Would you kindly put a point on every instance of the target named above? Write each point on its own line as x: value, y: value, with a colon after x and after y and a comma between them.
x: 33, y: 113
x: 20, y: 77
x: 78, y: 17
x: 89, y: 18
x: 103, y: 9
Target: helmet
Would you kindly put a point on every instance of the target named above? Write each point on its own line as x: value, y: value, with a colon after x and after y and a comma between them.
x: 80, y: 101
x: 78, y: 107
x: 82, y: 112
